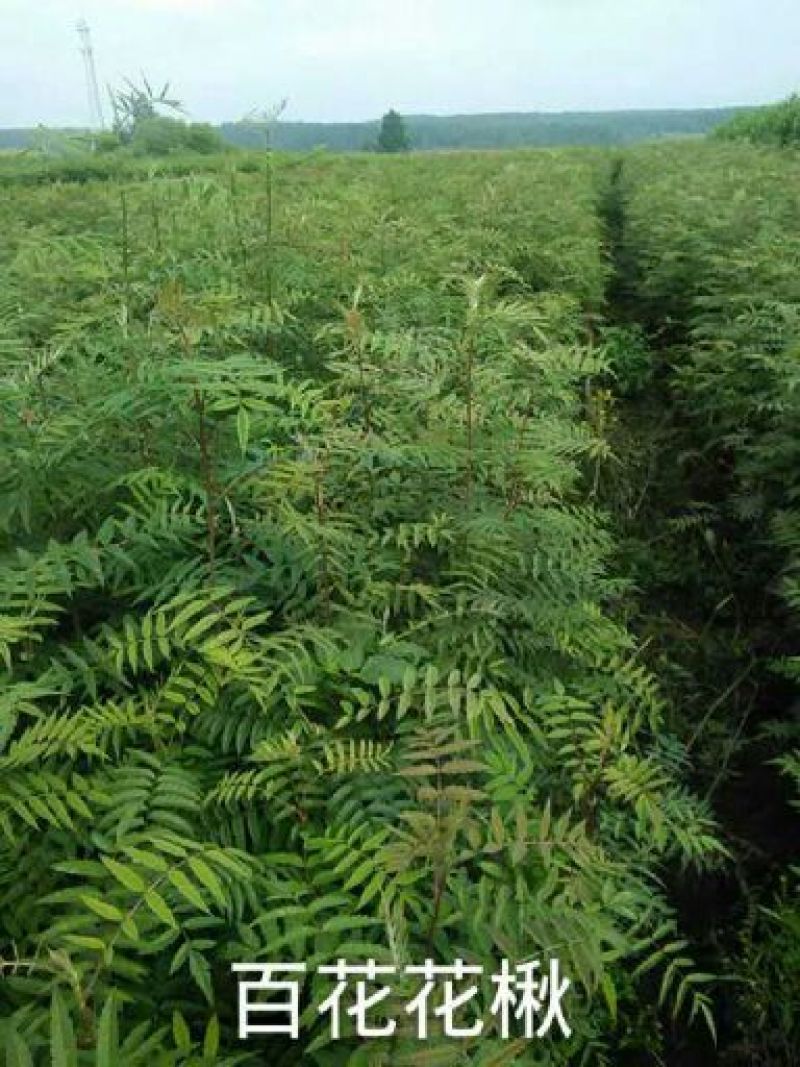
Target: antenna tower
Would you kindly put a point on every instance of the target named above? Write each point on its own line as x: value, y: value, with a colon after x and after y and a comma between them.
x: 93, y: 93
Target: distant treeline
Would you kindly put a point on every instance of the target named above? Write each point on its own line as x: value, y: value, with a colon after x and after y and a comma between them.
x: 470, y: 131
x: 494, y: 131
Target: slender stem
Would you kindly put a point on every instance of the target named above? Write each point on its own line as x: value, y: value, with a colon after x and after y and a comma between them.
x: 516, y: 479
x: 440, y: 871
x: 438, y: 895
x: 718, y: 703
x: 126, y: 279
x: 319, y: 493
x: 154, y: 208
x: 206, y: 467
x: 469, y: 345
x: 723, y: 770
x: 270, y: 268
x: 270, y: 216
x: 358, y: 350
x: 237, y: 219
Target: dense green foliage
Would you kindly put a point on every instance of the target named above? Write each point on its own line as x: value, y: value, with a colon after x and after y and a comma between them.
x: 164, y: 136
x: 111, y: 163
x: 345, y: 610
x: 720, y: 291
x: 311, y: 636
x: 777, y: 125
x: 139, y: 129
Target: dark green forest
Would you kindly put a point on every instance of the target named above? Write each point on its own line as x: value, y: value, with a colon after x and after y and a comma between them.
x: 471, y: 131
x: 499, y: 131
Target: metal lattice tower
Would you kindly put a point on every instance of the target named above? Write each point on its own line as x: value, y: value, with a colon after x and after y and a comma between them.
x: 92, y: 91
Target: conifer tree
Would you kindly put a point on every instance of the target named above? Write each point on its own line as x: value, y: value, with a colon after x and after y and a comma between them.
x: 393, y: 136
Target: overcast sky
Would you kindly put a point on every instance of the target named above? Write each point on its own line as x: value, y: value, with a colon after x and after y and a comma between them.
x: 352, y: 59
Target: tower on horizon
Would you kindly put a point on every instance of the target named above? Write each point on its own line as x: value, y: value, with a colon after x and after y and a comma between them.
x: 93, y: 93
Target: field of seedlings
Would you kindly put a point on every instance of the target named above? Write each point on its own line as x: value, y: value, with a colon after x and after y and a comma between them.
x: 400, y: 561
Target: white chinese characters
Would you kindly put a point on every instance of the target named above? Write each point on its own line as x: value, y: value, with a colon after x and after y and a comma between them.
x: 289, y: 1007
x: 527, y: 1001
x: 343, y: 972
